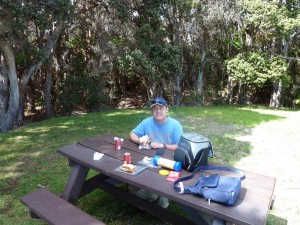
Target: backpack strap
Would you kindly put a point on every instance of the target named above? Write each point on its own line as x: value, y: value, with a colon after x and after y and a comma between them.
x: 180, y: 188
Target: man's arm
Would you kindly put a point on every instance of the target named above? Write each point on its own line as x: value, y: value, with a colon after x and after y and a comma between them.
x: 155, y: 144
x: 139, y: 140
x: 134, y: 138
x: 171, y: 147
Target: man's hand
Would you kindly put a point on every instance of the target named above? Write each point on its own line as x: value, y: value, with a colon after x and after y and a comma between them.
x: 144, y: 140
x: 155, y: 144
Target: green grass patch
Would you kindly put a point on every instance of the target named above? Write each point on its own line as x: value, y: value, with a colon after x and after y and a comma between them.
x: 28, y: 157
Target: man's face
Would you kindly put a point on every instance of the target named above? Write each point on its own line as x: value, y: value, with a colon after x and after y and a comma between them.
x: 159, y: 113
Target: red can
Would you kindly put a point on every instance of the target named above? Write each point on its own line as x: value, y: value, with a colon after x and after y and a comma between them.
x: 118, y: 144
x: 127, y: 158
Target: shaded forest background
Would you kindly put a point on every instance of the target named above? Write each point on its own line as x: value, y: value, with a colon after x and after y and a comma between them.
x: 58, y: 56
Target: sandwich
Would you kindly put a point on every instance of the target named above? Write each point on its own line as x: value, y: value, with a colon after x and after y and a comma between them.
x: 129, y: 168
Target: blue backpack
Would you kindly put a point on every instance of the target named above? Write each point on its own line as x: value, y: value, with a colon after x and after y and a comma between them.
x: 217, y: 188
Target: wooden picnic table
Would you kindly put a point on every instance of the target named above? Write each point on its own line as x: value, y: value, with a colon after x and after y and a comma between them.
x: 252, y: 206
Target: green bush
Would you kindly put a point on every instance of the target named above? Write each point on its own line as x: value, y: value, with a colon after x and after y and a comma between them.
x: 297, y: 102
x: 83, y: 91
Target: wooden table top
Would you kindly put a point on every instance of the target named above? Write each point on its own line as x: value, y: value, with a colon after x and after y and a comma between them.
x: 251, y: 207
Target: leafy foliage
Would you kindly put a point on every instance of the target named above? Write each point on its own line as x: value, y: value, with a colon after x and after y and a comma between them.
x: 144, y: 48
x: 272, y: 18
x: 255, y: 69
x: 83, y: 90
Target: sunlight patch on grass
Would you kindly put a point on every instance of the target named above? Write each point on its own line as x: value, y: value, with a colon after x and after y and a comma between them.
x: 226, y: 115
x: 10, y: 172
x: 18, y: 138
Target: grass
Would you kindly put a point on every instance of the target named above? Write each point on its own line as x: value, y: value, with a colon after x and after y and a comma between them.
x: 28, y: 157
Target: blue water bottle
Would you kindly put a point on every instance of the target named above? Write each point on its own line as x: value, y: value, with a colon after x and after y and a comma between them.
x: 167, y: 163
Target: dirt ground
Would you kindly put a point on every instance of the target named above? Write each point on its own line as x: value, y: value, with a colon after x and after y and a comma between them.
x: 276, y: 153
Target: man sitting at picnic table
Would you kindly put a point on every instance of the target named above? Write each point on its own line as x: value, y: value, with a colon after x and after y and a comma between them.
x: 157, y: 131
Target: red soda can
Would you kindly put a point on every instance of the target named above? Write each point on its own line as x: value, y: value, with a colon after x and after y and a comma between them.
x: 127, y: 158
x: 118, y: 144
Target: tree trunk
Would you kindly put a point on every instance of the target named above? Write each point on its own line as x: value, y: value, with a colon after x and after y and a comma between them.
x: 9, y: 90
x: 178, y: 94
x: 34, y: 68
x: 48, y: 97
x: 245, y: 96
x: 242, y: 94
x: 230, y: 90
x: 123, y: 86
x: 239, y: 95
x: 277, y: 85
x: 22, y: 88
x: 276, y: 95
x: 200, y: 83
x: 30, y: 96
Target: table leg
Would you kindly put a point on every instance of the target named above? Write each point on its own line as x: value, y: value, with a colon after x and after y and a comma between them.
x: 152, y: 208
x: 75, y: 183
x: 194, y: 215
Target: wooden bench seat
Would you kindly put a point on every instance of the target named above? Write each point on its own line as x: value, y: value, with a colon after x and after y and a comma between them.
x: 55, y: 210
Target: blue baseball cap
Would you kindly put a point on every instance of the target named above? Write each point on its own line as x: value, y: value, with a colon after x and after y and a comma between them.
x: 159, y: 101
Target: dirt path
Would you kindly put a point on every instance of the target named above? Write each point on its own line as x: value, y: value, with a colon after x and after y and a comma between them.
x: 275, y: 153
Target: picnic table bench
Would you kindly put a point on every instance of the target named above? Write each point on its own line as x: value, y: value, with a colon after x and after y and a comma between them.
x: 251, y: 207
x: 55, y: 210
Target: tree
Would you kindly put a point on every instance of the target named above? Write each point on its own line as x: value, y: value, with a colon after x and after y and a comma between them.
x: 256, y: 69
x: 271, y: 26
x: 29, y: 27
x: 9, y: 92
x: 150, y: 44
x: 178, y: 48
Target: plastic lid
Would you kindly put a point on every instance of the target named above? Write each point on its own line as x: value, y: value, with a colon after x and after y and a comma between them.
x: 177, y: 166
x: 155, y: 160
x: 164, y: 172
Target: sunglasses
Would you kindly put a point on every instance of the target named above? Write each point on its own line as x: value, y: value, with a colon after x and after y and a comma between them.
x: 158, y: 102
